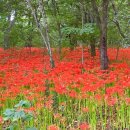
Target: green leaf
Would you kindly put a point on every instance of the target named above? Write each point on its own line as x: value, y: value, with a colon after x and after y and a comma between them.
x: 8, y: 114
x: 18, y: 115
x: 28, y: 117
x: 25, y: 104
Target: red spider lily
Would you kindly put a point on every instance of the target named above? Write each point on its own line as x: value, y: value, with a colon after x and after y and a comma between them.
x: 1, y: 119
x: 127, y: 101
x: 98, y: 97
x: 57, y: 115
x: 39, y: 105
x: 73, y: 94
x: 85, y: 109
x: 31, y: 109
x: 48, y: 104
x: 60, y: 89
x: 40, y: 89
x: 53, y: 127
x: 116, y: 89
x: 1, y: 105
x: 30, y: 98
x: 112, y: 102
x: 84, y: 126
x: 0, y: 80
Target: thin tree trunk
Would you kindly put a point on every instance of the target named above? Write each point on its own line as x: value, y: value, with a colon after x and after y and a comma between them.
x: 83, y: 20
x: 28, y: 43
x: 60, y: 39
x: 93, y: 49
x: 6, y: 44
x: 90, y: 19
x: 48, y: 40
x: 6, y: 40
x: 55, y: 10
x: 45, y: 36
x: 117, y: 52
x: 73, y: 42
x: 47, y: 32
x: 82, y: 53
x: 116, y: 21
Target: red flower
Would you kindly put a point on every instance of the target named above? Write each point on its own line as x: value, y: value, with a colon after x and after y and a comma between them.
x: 84, y: 126
x: 112, y: 102
x: 1, y: 119
x: 128, y: 101
x: 73, y: 94
x: 0, y: 80
x: 60, y: 89
x: 53, y: 127
x: 85, y: 109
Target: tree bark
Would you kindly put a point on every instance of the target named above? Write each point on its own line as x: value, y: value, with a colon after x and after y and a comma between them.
x: 6, y: 44
x: 55, y: 12
x: 102, y: 24
x: 117, y: 22
x: 46, y: 32
x: 103, y: 52
x: 93, y: 49
x: 73, y: 42
x: 117, y: 52
x: 103, y: 40
x: 44, y: 35
x: 90, y: 19
x: 60, y: 38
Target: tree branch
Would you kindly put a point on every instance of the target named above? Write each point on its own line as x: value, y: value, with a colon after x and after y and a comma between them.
x: 116, y: 21
x: 96, y: 12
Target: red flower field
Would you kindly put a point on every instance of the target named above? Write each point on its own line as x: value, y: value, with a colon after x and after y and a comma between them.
x: 71, y: 95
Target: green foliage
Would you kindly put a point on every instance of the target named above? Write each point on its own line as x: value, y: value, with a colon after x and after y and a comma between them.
x: 69, y: 15
x: 89, y: 32
x: 87, y: 29
x: 24, y: 104
x: 9, y: 114
x: 17, y: 114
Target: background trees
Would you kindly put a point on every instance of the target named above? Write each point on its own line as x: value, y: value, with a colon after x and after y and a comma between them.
x: 68, y: 22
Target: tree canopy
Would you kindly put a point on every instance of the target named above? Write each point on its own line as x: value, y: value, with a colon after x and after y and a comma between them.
x: 65, y: 23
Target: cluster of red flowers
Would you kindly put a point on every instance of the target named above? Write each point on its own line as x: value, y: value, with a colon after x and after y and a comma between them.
x: 25, y: 73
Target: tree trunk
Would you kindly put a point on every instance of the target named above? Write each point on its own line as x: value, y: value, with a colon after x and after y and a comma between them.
x: 55, y: 13
x: 102, y: 24
x: 116, y: 21
x: 60, y: 38
x: 103, y: 52
x: 73, y: 42
x: 28, y: 43
x: 93, y: 49
x: 103, y: 38
x: 44, y: 35
x: 117, y: 52
x: 6, y: 40
x: 6, y: 44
